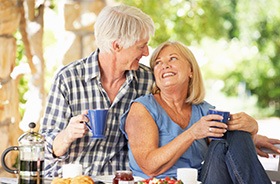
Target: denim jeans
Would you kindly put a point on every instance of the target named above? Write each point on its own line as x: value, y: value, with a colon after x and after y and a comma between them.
x: 233, y: 160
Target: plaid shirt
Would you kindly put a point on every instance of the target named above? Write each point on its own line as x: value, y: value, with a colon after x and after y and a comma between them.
x: 76, y: 88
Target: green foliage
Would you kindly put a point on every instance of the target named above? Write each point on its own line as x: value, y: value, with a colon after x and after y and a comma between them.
x: 189, y: 21
x: 23, y: 82
x: 261, y: 74
x: 250, y: 29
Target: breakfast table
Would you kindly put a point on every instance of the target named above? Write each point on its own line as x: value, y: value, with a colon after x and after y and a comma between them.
x: 106, y: 179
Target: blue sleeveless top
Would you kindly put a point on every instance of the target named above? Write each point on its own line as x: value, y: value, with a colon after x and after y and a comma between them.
x: 168, y: 130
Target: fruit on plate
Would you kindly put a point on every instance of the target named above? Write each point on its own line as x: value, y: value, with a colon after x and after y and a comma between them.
x: 166, y: 180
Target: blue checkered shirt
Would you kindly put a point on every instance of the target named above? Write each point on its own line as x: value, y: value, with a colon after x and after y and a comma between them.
x: 76, y: 88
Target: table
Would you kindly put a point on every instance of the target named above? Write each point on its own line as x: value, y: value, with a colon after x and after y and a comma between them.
x: 5, y: 180
x: 107, y: 179
x: 97, y: 179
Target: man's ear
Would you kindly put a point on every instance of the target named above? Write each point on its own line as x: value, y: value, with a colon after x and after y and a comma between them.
x: 116, y: 46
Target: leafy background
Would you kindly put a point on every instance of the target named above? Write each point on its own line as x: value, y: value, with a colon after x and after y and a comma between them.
x: 237, y: 44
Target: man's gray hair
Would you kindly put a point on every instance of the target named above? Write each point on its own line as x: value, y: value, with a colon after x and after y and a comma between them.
x: 124, y: 24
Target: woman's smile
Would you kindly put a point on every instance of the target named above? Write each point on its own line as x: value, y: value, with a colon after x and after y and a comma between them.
x: 168, y: 74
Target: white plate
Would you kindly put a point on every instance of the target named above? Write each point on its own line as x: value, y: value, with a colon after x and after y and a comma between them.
x: 105, y: 178
x: 9, y: 180
x: 109, y: 178
x: 138, y: 178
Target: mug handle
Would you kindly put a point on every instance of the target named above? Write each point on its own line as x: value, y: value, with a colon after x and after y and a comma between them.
x: 87, y: 123
x: 12, y: 148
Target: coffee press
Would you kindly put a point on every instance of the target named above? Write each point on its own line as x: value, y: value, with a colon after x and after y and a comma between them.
x: 30, y: 159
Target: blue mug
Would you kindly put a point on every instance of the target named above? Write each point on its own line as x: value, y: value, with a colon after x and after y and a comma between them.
x: 226, y: 118
x: 97, y: 122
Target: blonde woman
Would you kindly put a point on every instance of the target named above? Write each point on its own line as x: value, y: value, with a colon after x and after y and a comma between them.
x: 169, y: 128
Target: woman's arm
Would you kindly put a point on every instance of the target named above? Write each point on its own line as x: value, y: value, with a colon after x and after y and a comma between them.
x: 143, y: 137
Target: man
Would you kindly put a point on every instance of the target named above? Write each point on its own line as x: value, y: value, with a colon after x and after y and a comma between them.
x: 109, y: 78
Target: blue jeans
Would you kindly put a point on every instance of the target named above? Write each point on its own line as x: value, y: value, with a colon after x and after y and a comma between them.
x: 233, y: 160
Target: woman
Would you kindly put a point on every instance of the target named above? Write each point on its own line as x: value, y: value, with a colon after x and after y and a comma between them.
x: 169, y: 128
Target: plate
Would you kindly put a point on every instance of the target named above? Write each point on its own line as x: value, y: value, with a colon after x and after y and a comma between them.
x: 104, y: 178
x: 109, y: 178
x: 8, y: 180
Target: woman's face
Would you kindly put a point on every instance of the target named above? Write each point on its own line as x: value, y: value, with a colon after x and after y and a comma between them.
x: 171, y: 69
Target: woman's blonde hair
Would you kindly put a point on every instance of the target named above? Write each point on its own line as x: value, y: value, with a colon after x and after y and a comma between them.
x: 196, y: 92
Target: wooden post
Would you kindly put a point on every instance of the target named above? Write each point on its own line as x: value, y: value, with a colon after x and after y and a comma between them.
x: 9, y: 98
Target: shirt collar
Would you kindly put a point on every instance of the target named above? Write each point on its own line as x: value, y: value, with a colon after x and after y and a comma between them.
x: 91, y: 66
x: 92, y: 69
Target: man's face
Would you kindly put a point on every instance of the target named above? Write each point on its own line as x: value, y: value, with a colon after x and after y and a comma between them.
x: 129, y: 57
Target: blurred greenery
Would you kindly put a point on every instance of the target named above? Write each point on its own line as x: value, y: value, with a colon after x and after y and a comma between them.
x: 23, y: 81
x: 239, y: 39
x: 188, y: 21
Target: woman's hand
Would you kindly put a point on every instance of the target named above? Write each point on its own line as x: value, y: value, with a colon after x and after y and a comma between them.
x: 208, y: 127
x: 244, y: 122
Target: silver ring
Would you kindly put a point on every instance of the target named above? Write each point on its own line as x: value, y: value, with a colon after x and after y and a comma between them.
x: 210, y: 129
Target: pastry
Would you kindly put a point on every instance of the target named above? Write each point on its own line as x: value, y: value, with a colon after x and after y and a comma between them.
x: 83, y: 179
x: 61, y: 181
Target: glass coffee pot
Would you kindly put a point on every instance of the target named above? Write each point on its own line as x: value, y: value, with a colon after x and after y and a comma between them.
x: 30, y: 159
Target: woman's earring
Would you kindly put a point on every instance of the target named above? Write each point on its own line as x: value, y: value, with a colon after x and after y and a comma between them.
x: 190, y: 76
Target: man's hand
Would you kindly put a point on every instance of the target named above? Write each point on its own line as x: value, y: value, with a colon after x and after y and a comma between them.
x: 244, y: 122
x: 74, y: 130
x: 265, y: 142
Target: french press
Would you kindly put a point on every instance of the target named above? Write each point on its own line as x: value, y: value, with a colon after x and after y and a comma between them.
x: 31, y: 157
